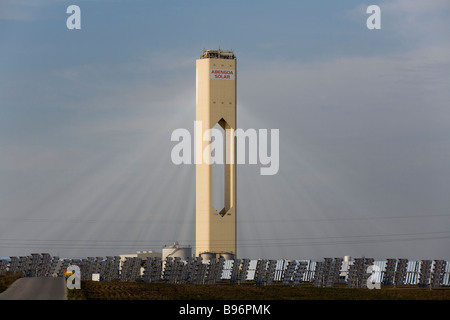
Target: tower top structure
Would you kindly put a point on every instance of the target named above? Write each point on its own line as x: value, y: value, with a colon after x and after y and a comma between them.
x: 217, y: 54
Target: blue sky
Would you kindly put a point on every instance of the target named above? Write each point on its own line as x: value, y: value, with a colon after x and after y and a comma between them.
x: 86, y: 118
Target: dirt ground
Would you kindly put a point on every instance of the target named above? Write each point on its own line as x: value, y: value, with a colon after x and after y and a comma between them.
x: 115, y: 290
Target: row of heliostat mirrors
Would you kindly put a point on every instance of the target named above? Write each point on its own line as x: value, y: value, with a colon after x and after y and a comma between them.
x: 326, y: 273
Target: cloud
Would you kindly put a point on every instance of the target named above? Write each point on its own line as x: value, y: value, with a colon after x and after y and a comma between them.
x: 30, y: 10
x: 424, y: 21
x: 22, y: 10
x: 352, y: 84
x: 353, y: 133
x: 362, y: 137
x: 408, y: 24
x: 14, y: 13
x: 31, y: 159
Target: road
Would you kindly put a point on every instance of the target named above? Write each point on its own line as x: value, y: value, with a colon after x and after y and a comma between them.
x: 41, y: 288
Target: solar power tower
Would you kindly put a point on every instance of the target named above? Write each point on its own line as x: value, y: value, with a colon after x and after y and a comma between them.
x: 215, y: 104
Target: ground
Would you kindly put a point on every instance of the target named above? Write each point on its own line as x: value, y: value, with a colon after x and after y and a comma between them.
x: 7, y: 279
x: 115, y: 290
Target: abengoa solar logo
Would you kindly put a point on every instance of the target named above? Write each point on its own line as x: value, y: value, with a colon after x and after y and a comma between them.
x: 222, y: 74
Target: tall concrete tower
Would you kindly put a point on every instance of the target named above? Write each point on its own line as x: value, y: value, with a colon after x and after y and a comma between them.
x: 216, y: 104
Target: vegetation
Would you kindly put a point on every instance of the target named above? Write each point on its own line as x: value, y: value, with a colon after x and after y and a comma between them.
x: 116, y: 290
x: 7, y: 279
